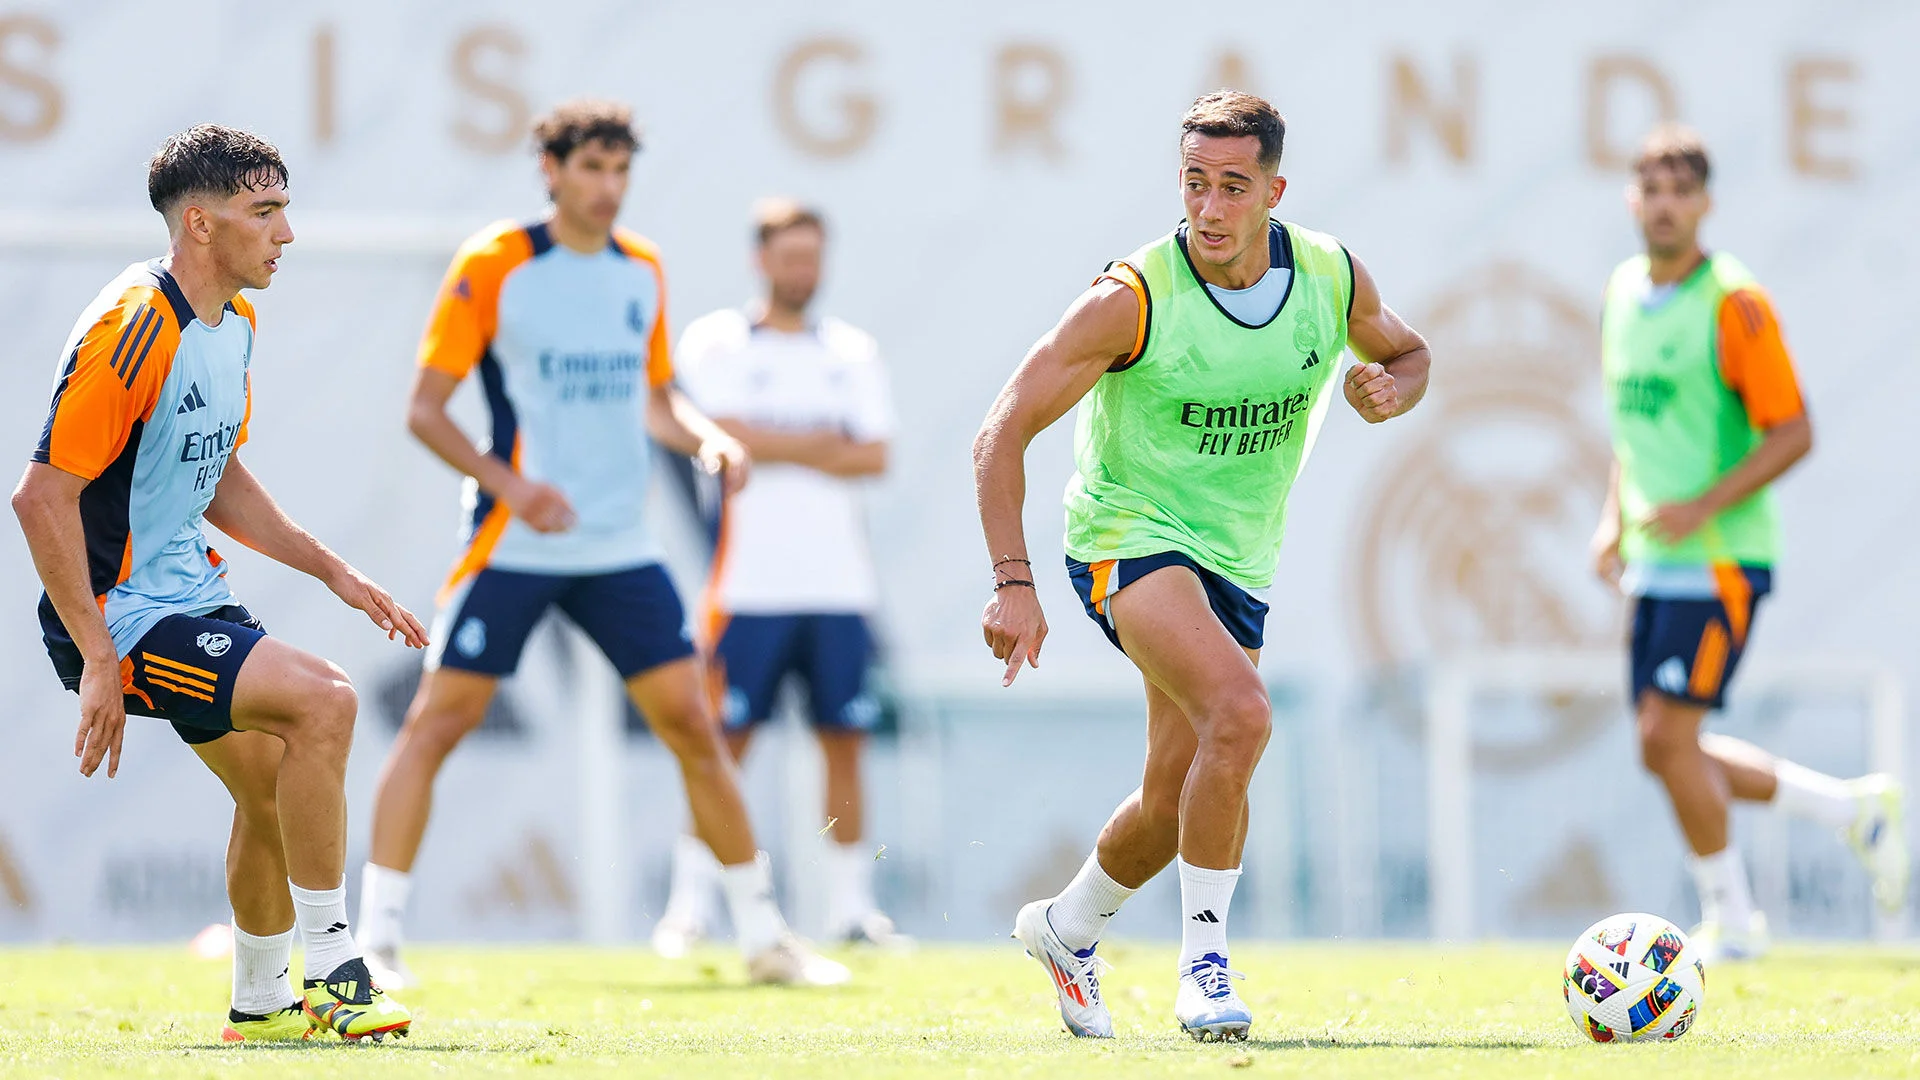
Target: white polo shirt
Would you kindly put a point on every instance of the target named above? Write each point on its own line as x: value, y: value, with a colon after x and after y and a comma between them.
x: 795, y: 539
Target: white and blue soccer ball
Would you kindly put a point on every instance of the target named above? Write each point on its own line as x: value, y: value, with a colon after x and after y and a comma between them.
x: 1634, y: 978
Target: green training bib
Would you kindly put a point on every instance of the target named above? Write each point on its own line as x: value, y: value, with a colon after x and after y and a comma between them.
x: 1677, y: 426
x: 1194, y: 446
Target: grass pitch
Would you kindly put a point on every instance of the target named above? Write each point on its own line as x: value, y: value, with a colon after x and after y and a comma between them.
x: 1320, y: 1010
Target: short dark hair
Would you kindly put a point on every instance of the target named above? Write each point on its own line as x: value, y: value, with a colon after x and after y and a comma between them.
x: 213, y: 160
x: 573, y: 124
x: 771, y: 217
x: 1230, y: 114
x: 1676, y: 146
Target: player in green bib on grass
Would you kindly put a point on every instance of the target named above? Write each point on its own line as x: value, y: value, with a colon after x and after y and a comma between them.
x: 1203, y: 364
x: 1706, y: 414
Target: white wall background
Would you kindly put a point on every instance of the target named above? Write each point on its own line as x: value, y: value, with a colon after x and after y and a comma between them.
x: 978, y: 164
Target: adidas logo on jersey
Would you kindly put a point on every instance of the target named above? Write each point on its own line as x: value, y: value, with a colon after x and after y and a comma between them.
x: 191, y: 401
x: 1313, y: 359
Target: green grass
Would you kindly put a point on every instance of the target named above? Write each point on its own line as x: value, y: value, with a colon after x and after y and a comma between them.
x: 1320, y: 1010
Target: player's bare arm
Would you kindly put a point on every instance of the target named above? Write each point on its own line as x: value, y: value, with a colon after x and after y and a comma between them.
x: 1607, y: 564
x: 1781, y: 447
x: 1095, y: 333
x: 47, y: 503
x: 243, y: 509
x: 542, y: 506
x: 1392, y: 374
x: 832, y: 452
x: 679, y: 425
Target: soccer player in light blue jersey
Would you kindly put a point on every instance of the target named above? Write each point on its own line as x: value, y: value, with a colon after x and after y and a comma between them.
x: 564, y: 321
x: 141, y: 447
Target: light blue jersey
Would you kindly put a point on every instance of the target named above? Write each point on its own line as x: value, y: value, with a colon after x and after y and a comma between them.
x: 567, y: 346
x: 149, y: 406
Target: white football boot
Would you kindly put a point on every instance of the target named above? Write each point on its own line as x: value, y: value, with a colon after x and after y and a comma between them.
x: 1878, y: 837
x: 675, y: 935
x: 1075, y: 975
x: 1718, y: 942
x: 791, y: 962
x: 387, y: 969
x: 1207, y: 1007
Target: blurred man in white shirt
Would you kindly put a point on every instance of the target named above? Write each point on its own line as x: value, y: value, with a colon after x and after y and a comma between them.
x: 793, y: 584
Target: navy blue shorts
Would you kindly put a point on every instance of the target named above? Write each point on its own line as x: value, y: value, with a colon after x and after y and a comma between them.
x: 1243, y: 614
x: 1687, y: 649
x: 633, y: 615
x: 182, y: 671
x: 830, y: 653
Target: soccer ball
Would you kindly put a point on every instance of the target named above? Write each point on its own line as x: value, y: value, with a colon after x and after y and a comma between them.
x: 1634, y: 978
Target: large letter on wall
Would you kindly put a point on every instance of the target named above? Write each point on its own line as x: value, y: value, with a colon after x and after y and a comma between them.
x: 1806, y: 116
x: 324, y: 125
x: 1410, y: 100
x: 42, y: 115
x: 510, y: 130
x: 1604, y: 151
x: 1030, y: 84
x: 857, y: 111
x: 1230, y: 72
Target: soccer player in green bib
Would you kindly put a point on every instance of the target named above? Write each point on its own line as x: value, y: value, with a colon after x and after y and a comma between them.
x: 1706, y: 414
x: 1203, y: 365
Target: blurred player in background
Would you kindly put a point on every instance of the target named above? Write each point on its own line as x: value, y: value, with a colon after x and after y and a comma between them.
x: 565, y: 322
x: 793, y: 582
x: 1203, y: 365
x: 1706, y: 414
x: 141, y: 447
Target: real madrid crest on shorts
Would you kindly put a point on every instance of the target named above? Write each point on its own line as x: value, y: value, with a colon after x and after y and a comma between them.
x: 471, y: 638
x: 213, y: 644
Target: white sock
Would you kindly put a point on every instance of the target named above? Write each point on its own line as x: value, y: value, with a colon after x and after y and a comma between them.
x: 1205, y: 897
x: 1803, y: 793
x: 383, y: 906
x: 262, y: 979
x: 849, y: 885
x: 1080, y: 913
x: 696, y: 874
x: 321, y: 915
x: 756, y: 917
x: 1721, y: 879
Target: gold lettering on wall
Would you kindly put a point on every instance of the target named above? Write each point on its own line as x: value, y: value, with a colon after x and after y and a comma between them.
x: 1230, y: 72
x: 854, y: 111
x: 1412, y: 101
x: 484, y: 61
x: 1606, y: 148
x: 1031, y: 84
x: 1809, y: 113
x: 324, y: 125
x: 30, y: 101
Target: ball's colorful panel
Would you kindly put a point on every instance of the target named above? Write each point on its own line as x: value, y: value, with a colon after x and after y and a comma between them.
x: 1681, y: 1026
x: 1616, y: 936
x: 1664, y: 950
x: 1649, y: 1009
x: 1597, y: 984
x: 1598, y: 1031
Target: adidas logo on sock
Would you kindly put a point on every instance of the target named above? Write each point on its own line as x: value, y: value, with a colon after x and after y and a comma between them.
x: 1207, y: 916
x: 336, y: 928
x: 191, y: 401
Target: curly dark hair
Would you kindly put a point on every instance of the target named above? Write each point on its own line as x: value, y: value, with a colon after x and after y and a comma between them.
x: 1676, y: 146
x: 574, y: 123
x: 1230, y: 114
x: 214, y: 160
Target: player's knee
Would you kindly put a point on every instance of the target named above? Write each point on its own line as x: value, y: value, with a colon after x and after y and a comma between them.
x: 330, y: 705
x: 1240, y: 722
x: 1663, y: 744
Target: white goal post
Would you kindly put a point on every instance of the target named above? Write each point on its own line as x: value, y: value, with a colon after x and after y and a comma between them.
x: 1454, y: 685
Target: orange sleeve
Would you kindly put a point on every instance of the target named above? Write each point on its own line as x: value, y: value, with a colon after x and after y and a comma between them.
x: 111, y: 382
x: 467, y: 311
x: 1126, y: 275
x: 1753, y: 359
x: 241, y: 305
x: 660, y: 341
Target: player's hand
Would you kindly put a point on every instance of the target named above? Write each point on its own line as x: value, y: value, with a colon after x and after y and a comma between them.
x: 1607, y: 565
x: 728, y: 459
x: 1674, y: 522
x: 103, y: 717
x: 1015, y: 628
x: 353, y: 587
x: 542, y: 506
x: 1372, y: 393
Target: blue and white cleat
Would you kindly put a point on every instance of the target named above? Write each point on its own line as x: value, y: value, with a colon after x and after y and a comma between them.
x: 1075, y: 975
x: 1207, y: 1007
x: 1877, y: 836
